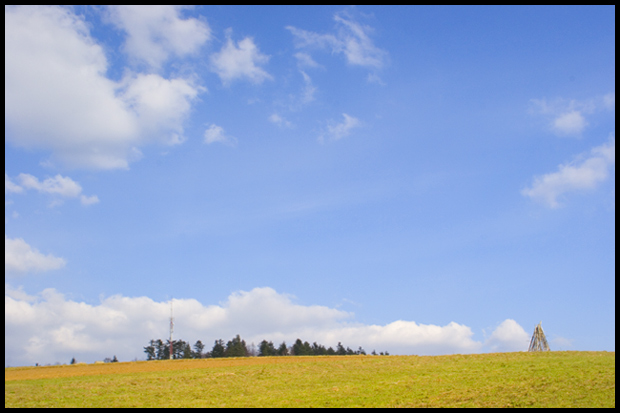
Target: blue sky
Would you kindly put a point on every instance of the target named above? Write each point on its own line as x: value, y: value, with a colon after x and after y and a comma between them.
x: 422, y: 180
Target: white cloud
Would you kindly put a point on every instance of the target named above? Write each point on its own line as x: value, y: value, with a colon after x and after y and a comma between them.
x: 352, y: 40
x: 160, y: 104
x: 63, y: 186
x: 609, y: 101
x: 309, y: 90
x: 305, y: 60
x: 340, y: 130
x: 9, y: 186
x: 156, y: 32
x: 570, y: 123
x: 58, y: 98
x: 240, y: 61
x: 508, y: 336
x: 216, y: 133
x: 50, y: 327
x: 21, y: 258
x: 567, y: 117
x: 574, y: 176
x: 89, y: 200
x: 59, y: 185
x: 280, y: 121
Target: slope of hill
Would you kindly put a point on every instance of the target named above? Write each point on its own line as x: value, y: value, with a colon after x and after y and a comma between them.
x: 549, y: 379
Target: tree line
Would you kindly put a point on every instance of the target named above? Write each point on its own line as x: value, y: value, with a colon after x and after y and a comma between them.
x: 237, y: 347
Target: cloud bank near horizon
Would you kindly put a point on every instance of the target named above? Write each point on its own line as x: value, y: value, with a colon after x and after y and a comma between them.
x: 50, y: 327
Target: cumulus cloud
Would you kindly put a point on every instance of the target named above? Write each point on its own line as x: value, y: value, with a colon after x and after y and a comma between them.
x: 49, y: 327
x: 58, y: 185
x: 508, y: 336
x: 239, y: 61
x: 20, y: 258
x: 156, y: 32
x: 340, y: 130
x: 351, y: 40
x: 58, y: 98
x: 215, y: 133
x: 582, y: 175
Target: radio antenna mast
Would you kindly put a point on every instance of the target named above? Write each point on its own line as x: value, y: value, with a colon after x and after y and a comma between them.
x: 171, y: 328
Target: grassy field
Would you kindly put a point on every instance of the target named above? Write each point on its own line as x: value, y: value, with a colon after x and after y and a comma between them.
x: 550, y: 379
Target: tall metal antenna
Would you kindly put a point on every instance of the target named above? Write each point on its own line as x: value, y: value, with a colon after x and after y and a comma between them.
x: 171, y: 328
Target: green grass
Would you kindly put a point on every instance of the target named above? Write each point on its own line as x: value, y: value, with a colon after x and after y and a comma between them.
x: 550, y: 379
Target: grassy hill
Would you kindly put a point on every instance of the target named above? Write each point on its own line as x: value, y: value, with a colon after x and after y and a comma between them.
x: 550, y: 379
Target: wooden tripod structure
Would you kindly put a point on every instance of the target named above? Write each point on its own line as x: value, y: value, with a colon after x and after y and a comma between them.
x: 539, y: 341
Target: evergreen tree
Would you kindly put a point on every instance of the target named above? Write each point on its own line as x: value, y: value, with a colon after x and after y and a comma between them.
x: 150, y: 351
x: 236, y: 348
x: 218, y: 349
x: 318, y: 349
x: 266, y: 348
x: 73, y: 360
x: 198, y: 348
x: 340, y: 350
x: 282, y: 350
x: 114, y: 359
x: 161, y: 350
x: 187, y: 350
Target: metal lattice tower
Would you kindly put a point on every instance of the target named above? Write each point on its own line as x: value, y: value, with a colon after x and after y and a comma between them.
x: 171, y: 329
x: 539, y: 341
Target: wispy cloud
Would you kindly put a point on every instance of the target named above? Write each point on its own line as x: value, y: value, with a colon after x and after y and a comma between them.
x: 568, y: 117
x: 280, y: 121
x: 10, y: 186
x: 352, y: 40
x: 304, y: 60
x: 340, y: 130
x: 583, y: 174
x: 239, y: 61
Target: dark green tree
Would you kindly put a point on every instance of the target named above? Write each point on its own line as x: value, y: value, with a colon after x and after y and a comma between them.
x: 73, y: 360
x: 236, y: 348
x: 318, y: 349
x: 266, y: 348
x: 282, y: 349
x: 340, y: 350
x: 302, y: 349
x: 218, y: 349
x: 150, y: 350
x: 161, y: 350
x: 198, y: 349
x: 187, y: 351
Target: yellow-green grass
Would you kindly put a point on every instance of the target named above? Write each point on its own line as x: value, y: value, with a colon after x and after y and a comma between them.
x: 549, y: 379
